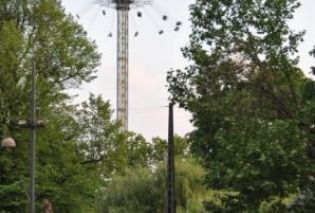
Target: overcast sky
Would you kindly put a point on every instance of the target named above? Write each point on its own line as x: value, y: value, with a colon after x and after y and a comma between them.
x: 151, y: 55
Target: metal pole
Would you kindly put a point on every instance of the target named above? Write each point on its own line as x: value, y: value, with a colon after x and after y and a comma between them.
x: 33, y: 140
x: 171, y: 200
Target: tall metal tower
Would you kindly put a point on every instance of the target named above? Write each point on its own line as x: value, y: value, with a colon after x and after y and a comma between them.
x: 122, y: 7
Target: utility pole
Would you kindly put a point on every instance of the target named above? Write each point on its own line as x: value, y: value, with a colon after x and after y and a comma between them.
x: 171, y: 199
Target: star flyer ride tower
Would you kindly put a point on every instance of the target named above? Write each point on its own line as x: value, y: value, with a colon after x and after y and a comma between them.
x: 122, y: 7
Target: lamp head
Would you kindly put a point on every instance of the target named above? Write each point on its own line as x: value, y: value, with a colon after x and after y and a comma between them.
x: 8, y: 143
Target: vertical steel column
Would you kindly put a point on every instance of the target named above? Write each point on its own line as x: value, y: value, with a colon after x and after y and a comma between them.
x: 122, y: 62
x: 33, y: 140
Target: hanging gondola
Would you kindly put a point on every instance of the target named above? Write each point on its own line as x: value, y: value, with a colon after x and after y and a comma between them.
x: 179, y: 23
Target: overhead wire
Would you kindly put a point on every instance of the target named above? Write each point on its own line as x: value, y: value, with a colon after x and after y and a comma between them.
x: 149, y: 107
x: 142, y: 110
x: 147, y: 110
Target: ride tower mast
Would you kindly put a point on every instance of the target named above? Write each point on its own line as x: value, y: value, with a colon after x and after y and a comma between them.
x: 123, y: 7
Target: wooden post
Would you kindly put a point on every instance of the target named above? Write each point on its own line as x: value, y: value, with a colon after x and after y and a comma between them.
x: 171, y: 199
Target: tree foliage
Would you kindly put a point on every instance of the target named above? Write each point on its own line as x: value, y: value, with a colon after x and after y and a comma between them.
x: 40, y: 31
x: 249, y: 100
x: 144, y: 189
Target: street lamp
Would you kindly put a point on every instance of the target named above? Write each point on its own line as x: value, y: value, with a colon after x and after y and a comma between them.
x: 33, y: 128
x: 33, y: 124
x: 8, y: 143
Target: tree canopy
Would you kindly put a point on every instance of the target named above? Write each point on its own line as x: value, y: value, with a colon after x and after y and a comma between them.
x: 248, y: 100
x: 40, y: 31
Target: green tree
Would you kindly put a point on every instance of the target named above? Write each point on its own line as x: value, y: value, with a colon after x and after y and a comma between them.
x: 41, y: 31
x: 143, y: 189
x: 100, y: 141
x: 244, y: 90
x: 159, y: 148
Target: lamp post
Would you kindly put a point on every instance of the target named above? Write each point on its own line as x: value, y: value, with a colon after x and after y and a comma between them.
x: 33, y: 139
x: 7, y: 144
x: 32, y: 124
